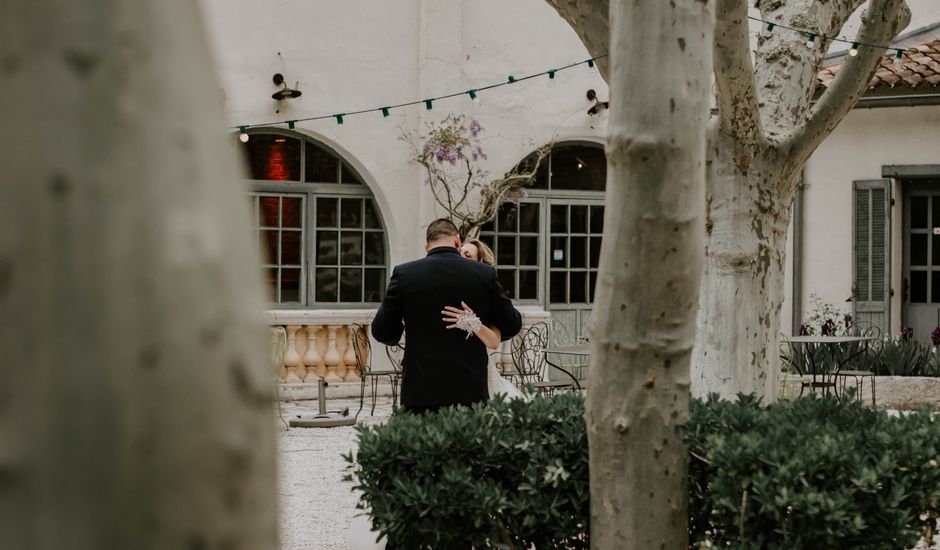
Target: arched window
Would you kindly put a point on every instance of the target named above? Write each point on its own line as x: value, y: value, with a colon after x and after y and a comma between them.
x: 318, y: 227
x: 548, y: 246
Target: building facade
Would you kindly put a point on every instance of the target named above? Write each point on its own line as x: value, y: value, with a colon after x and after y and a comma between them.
x: 336, y: 206
x: 866, y: 230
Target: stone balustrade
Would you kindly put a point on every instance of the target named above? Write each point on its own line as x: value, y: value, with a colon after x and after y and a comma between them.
x: 313, y: 344
x: 318, y: 344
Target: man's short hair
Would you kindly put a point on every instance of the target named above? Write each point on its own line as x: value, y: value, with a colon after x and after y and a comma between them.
x: 441, y: 228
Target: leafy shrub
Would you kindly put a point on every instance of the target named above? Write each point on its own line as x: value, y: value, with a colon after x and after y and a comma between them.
x: 806, y: 474
x: 811, y: 473
x: 510, y: 472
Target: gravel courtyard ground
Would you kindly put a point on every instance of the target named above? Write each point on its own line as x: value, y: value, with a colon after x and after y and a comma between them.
x: 315, y: 505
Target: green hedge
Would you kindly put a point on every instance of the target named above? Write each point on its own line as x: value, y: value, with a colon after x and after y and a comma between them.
x: 805, y: 474
x: 512, y: 472
x: 811, y: 473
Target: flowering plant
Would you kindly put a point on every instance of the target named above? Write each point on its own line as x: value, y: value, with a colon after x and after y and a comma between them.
x: 824, y: 315
x: 451, y: 153
x: 907, y: 333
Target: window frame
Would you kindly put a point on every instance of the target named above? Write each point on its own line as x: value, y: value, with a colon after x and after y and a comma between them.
x: 545, y: 198
x: 310, y: 192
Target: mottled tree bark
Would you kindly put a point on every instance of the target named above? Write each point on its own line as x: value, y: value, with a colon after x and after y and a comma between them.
x: 135, y: 396
x: 638, y: 395
x: 766, y: 129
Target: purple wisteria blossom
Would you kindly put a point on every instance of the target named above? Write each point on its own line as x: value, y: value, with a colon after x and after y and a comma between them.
x: 475, y: 128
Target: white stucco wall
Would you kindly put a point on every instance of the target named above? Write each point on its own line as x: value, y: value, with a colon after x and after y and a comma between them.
x: 864, y: 142
x: 348, y: 55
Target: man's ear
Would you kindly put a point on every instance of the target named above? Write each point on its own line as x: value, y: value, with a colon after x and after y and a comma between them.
x: 427, y: 248
x: 457, y: 242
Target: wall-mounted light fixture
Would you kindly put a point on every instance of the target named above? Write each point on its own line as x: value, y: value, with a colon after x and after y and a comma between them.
x: 598, y: 104
x: 284, y: 92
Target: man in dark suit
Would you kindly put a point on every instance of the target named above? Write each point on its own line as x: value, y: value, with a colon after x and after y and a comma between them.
x: 442, y: 367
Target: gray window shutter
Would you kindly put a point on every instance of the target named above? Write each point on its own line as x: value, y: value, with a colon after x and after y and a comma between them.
x: 871, y: 257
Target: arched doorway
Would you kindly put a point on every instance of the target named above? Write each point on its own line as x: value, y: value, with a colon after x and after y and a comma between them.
x: 548, y: 245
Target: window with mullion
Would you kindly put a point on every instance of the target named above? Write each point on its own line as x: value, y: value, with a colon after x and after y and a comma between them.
x: 279, y: 225
x: 317, y: 226
x: 514, y: 237
x: 350, y: 251
x: 575, y: 242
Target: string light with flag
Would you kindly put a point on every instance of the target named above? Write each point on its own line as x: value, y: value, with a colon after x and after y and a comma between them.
x: 812, y: 38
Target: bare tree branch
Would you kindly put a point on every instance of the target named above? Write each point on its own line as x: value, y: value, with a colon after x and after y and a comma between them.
x: 881, y: 22
x: 588, y: 18
x: 734, y: 72
x: 461, y: 188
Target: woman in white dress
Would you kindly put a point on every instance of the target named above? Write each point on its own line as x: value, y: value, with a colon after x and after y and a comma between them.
x: 464, y: 318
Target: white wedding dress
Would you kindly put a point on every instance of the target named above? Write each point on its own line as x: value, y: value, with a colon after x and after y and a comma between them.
x: 498, y: 385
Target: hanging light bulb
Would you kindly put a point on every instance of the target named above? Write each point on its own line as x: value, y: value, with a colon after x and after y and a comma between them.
x: 770, y: 27
x: 897, y: 59
x: 854, y: 50
x: 473, y: 97
x: 243, y: 134
x: 810, y: 40
x: 551, y: 78
x: 591, y: 68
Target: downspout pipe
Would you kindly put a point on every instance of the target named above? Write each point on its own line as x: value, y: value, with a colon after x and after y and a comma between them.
x: 796, y: 300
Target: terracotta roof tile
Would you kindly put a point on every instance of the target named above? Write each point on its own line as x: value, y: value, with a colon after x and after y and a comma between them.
x: 919, y: 72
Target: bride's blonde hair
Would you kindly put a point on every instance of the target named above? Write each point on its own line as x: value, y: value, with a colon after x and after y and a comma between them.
x: 484, y: 252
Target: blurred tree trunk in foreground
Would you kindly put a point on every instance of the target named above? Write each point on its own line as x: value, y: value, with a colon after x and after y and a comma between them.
x: 135, y: 397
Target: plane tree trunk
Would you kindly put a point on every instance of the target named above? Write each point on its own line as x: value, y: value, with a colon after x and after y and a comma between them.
x: 767, y: 127
x: 638, y: 395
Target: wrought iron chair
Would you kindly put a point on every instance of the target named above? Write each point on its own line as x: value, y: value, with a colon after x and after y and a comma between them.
x: 803, y: 360
x: 562, y: 336
x: 859, y: 374
x: 396, y: 356
x: 528, y: 354
x: 362, y: 347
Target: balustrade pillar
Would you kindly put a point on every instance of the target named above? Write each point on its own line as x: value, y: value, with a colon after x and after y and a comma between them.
x: 312, y: 356
x: 292, y: 358
x: 332, y: 358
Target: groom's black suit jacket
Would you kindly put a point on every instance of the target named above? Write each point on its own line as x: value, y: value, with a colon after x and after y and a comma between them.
x: 442, y: 366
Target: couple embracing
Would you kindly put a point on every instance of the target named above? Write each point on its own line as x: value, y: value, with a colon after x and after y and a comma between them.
x: 453, y: 308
